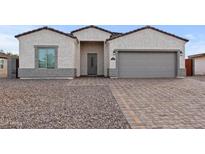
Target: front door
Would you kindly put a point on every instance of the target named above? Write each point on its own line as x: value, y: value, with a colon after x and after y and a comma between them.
x: 92, y: 64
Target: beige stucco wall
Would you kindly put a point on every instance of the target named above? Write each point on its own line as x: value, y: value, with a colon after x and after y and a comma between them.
x: 4, y: 71
x: 77, y: 59
x: 91, y: 47
x: 199, y: 66
x: 72, y: 54
x: 66, y: 48
x: 91, y: 34
x: 146, y: 39
x: 106, y: 59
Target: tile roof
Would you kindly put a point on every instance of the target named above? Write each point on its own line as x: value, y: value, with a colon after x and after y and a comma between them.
x: 91, y: 26
x: 3, y: 55
x: 47, y: 28
x: 148, y: 27
x: 113, y: 36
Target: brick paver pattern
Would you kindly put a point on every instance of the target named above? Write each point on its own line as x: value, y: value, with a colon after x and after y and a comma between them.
x: 157, y: 103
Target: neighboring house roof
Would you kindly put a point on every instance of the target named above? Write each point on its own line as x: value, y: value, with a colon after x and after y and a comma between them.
x: 7, y: 56
x: 91, y: 26
x: 197, y: 55
x: 3, y: 55
x: 45, y: 28
x: 147, y: 27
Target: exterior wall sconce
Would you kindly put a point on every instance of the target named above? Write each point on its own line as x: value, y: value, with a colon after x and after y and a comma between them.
x: 181, y: 53
x: 114, y: 53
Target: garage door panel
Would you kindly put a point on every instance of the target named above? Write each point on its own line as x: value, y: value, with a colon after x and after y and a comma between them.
x: 146, y: 65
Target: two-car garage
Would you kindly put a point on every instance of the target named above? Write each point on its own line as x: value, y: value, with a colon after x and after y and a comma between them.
x: 147, y: 53
x: 149, y: 64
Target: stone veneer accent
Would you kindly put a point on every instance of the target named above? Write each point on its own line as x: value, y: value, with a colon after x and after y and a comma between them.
x: 47, y: 73
x: 112, y: 72
x: 181, y: 72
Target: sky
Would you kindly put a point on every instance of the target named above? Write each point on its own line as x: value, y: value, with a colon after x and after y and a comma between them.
x: 195, y: 34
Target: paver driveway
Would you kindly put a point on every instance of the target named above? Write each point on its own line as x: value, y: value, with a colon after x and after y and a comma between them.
x: 178, y: 103
x: 146, y: 103
x: 158, y: 103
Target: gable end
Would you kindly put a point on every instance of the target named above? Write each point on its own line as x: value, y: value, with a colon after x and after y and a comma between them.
x: 148, y: 27
x: 46, y: 28
x: 91, y: 26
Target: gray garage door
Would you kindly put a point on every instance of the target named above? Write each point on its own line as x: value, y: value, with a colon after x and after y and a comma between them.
x: 146, y: 65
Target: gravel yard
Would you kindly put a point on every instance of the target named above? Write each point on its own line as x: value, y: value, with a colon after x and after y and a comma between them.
x: 103, y: 103
x: 57, y: 104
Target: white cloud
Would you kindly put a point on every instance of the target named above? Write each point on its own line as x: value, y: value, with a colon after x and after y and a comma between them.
x: 196, y: 44
x: 190, y: 36
x: 195, y: 47
x: 8, y: 43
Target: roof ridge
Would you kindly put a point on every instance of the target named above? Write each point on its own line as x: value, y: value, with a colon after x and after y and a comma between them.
x: 91, y: 26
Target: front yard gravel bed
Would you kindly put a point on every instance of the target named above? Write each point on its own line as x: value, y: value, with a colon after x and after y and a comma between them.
x: 57, y: 104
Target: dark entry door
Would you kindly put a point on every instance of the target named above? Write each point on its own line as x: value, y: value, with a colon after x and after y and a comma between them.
x: 92, y: 64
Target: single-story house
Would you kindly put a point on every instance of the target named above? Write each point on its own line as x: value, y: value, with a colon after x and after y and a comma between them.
x: 93, y: 51
x: 8, y: 66
x: 198, y: 64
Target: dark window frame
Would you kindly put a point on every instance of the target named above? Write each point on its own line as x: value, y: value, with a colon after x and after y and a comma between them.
x: 2, y: 64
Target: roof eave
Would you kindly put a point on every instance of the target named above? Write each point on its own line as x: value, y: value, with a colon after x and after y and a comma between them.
x: 148, y: 27
x: 45, y: 28
x: 91, y: 26
x: 196, y: 56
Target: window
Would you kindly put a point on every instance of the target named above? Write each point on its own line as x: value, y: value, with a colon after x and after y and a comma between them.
x: 1, y: 63
x: 47, y: 58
